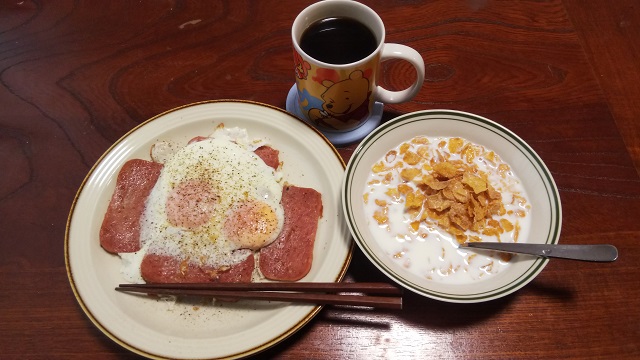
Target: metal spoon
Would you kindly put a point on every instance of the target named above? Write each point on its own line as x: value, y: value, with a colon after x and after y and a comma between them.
x: 595, y: 253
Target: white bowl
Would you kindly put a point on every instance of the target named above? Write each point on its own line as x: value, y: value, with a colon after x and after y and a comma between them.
x: 546, y: 213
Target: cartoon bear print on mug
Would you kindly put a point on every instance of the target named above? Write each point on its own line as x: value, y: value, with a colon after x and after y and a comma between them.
x: 338, y: 48
x: 344, y: 103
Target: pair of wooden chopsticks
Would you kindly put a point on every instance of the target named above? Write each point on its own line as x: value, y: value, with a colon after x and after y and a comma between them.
x: 313, y: 293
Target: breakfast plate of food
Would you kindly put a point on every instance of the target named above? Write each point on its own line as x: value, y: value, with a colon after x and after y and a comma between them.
x: 206, y: 193
x: 424, y: 183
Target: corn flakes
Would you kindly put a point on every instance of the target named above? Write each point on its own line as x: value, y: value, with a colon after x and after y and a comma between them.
x: 430, y: 189
x: 447, y: 187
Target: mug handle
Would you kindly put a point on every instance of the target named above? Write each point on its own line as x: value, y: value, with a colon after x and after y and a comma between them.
x: 403, y: 52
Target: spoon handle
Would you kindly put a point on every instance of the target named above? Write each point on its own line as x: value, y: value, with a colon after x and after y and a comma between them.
x: 595, y: 253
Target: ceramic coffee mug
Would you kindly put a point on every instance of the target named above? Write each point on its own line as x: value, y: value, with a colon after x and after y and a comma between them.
x: 337, y: 80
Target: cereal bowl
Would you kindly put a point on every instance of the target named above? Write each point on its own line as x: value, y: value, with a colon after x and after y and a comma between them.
x: 478, y: 276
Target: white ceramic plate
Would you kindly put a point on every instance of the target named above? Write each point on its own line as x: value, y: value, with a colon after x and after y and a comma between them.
x: 158, y: 329
x: 526, y: 164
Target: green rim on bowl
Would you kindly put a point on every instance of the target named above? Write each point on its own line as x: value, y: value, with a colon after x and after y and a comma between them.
x: 546, y: 207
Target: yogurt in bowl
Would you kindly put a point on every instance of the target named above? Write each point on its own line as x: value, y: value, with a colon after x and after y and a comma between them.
x: 425, y: 182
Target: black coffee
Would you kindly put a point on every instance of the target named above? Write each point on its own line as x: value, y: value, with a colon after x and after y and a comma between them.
x: 338, y: 40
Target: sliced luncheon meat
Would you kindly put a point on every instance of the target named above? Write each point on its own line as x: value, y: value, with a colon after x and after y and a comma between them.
x: 168, y: 269
x: 120, y: 230
x: 269, y: 155
x: 290, y: 256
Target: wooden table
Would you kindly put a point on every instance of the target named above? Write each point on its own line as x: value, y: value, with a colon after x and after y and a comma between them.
x: 562, y: 74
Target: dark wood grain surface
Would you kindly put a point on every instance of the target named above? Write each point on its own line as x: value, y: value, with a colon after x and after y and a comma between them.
x: 562, y: 74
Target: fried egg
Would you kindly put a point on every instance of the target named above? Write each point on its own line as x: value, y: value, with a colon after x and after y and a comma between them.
x: 214, y: 203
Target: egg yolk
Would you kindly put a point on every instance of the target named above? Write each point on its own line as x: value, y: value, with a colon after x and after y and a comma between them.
x: 191, y: 204
x: 251, y: 224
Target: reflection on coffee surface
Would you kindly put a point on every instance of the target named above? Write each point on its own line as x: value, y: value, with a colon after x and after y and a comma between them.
x: 338, y: 40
